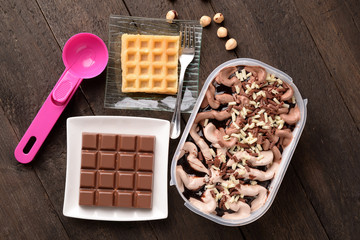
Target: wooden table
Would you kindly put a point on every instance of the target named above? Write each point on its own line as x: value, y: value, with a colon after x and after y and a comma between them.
x: 315, y: 42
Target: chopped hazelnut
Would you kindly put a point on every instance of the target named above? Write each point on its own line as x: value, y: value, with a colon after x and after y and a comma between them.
x: 218, y: 18
x: 222, y: 32
x: 230, y: 44
x: 205, y: 21
x: 172, y: 14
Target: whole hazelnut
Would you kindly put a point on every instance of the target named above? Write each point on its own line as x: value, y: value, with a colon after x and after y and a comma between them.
x: 230, y: 44
x: 218, y: 18
x: 222, y: 32
x: 205, y: 21
x: 172, y: 14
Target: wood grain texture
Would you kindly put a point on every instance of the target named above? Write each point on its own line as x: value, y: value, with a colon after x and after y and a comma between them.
x: 291, y: 216
x: 180, y: 221
x: 315, y: 42
x: 317, y: 159
x: 336, y: 44
x: 66, y: 18
x: 40, y: 52
x: 25, y: 82
x: 24, y: 204
x: 251, y: 30
x: 30, y: 62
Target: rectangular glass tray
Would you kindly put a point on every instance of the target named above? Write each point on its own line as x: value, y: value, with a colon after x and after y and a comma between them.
x: 115, y: 98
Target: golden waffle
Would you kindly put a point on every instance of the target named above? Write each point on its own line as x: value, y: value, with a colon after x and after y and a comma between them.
x: 149, y: 63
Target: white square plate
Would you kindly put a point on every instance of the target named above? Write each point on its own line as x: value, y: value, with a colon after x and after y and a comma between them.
x: 116, y: 125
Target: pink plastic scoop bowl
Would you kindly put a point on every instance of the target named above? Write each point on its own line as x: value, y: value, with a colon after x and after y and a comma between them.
x: 85, y: 56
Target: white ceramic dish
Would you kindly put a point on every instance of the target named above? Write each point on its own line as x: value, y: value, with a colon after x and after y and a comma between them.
x: 286, y: 155
x: 117, y: 125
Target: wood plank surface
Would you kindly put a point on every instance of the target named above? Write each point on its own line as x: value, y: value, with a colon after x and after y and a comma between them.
x: 39, y: 54
x: 325, y: 21
x: 215, y: 51
x: 321, y: 145
x: 24, y: 204
x: 315, y: 42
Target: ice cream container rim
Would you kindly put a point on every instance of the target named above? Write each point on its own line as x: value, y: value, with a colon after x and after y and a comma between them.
x: 286, y: 155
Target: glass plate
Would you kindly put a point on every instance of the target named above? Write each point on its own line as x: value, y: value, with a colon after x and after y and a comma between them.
x: 115, y: 98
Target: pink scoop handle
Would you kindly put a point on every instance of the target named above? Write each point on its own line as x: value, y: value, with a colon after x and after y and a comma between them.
x: 47, y: 116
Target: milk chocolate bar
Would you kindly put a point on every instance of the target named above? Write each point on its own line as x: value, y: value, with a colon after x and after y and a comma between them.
x: 116, y: 170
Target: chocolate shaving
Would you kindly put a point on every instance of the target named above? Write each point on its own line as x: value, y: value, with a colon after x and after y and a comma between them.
x: 272, y: 102
x: 247, y: 168
x: 219, y: 188
x: 222, y: 202
x: 251, y: 108
x: 225, y: 176
x: 268, y: 94
x: 251, y: 176
x: 243, y: 145
x: 213, y: 193
x: 217, y: 161
x: 251, y: 114
x: 230, y: 171
x: 248, y: 150
x: 242, y: 200
x: 232, y: 189
x: 228, y: 154
x: 223, y: 167
x: 254, y: 154
x: 258, y: 98
x: 235, y: 159
x: 233, y: 193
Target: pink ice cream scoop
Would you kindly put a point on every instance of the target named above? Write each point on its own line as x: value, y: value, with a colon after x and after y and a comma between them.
x: 85, y: 56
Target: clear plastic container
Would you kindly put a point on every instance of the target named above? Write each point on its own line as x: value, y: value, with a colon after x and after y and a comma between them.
x: 286, y: 155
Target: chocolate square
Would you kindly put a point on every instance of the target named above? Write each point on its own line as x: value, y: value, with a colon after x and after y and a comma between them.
x: 88, y: 159
x: 125, y: 180
x: 108, y: 141
x: 105, y: 198
x: 87, y: 178
x: 107, y: 160
x: 116, y: 170
x: 144, y: 181
x: 89, y: 140
x: 106, y: 179
x: 145, y: 162
x: 142, y: 200
x: 127, y: 143
x: 124, y: 199
x: 126, y: 161
x: 145, y: 143
x: 86, y: 197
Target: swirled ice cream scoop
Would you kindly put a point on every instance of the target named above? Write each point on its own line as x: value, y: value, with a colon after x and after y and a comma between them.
x: 235, y: 144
